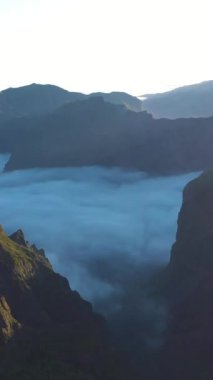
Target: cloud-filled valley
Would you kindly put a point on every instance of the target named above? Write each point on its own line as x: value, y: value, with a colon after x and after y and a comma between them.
x: 98, y: 226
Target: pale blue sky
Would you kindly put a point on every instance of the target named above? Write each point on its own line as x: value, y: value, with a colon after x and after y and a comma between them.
x: 138, y: 46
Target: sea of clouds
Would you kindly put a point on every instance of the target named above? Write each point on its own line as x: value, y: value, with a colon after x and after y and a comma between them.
x: 98, y: 226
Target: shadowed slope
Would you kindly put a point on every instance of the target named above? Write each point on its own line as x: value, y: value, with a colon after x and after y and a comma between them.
x: 46, y: 329
x: 189, y: 347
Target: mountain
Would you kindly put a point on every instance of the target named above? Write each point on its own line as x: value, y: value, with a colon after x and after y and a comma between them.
x: 47, y: 331
x: 189, y: 346
x: 121, y: 98
x: 89, y: 132
x: 95, y: 132
x: 33, y: 100
x: 37, y: 99
x: 184, y: 102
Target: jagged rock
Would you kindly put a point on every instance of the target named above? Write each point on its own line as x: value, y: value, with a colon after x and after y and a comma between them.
x: 18, y: 237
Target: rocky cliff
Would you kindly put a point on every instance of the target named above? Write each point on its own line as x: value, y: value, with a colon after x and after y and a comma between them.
x: 189, y: 348
x: 47, y: 331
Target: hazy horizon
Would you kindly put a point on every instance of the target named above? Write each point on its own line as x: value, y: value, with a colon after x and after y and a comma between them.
x: 137, y: 47
x: 113, y: 90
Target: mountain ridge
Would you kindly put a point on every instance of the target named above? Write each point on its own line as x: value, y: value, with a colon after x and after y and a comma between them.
x: 94, y: 132
x: 189, y: 101
x: 38, y: 99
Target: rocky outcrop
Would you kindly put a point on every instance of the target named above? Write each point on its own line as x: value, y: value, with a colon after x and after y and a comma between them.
x: 46, y: 329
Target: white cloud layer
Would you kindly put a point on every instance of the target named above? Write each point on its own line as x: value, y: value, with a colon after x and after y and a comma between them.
x: 88, y: 219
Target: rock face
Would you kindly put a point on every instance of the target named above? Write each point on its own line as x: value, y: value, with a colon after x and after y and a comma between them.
x: 47, y: 331
x: 189, y: 348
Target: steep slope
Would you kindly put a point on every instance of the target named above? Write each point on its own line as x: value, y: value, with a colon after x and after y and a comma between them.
x: 189, y: 101
x: 189, y: 347
x: 46, y: 330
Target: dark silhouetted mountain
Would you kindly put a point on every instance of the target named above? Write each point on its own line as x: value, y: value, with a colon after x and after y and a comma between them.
x: 36, y: 99
x: 189, y: 101
x: 47, y: 331
x: 189, y: 347
x: 90, y: 132
x: 94, y: 132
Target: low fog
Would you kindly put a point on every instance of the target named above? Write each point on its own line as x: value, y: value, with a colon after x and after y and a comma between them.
x: 102, y: 228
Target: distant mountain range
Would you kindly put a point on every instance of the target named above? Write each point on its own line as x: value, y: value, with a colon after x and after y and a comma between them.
x: 184, y: 102
x: 41, y: 127
x: 37, y: 99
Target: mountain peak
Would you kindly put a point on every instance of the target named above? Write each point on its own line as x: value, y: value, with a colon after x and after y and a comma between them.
x: 18, y: 237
